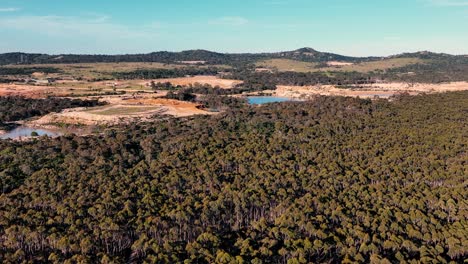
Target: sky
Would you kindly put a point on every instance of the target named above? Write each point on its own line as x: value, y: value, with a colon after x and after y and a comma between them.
x: 349, y: 27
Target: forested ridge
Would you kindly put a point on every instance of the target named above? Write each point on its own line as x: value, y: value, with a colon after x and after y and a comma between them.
x: 432, y: 68
x: 166, y: 73
x: 208, y: 57
x: 330, y: 180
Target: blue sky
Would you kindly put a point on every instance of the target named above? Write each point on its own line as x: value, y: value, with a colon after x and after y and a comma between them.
x: 350, y: 27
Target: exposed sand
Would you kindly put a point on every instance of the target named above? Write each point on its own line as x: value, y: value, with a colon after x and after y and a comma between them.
x: 419, y: 87
x: 122, y: 109
x: 192, y: 62
x: 75, y: 87
x: 368, y: 91
x: 339, y: 63
x: 211, y: 80
x: 31, y: 91
x: 86, y: 117
x: 172, y: 107
x: 259, y: 69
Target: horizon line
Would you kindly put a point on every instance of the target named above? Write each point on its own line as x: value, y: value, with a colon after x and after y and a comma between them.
x: 227, y: 53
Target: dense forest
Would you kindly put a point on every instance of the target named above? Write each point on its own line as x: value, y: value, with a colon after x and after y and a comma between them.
x: 166, y: 73
x: 14, y: 108
x: 325, y: 181
x: 27, y: 71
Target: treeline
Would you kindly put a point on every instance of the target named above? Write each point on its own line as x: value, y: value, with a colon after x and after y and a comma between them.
x: 212, y: 101
x: 208, y: 57
x: 14, y: 108
x: 27, y: 70
x: 327, y: 181
x: 198, y: 88
x: 264, y: 80
x: 166, y: 73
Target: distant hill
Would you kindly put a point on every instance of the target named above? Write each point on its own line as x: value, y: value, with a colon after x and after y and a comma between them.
x: 421, y: 66
x: 311, y: 55
x: 162, y: 56
x: 303, y: 54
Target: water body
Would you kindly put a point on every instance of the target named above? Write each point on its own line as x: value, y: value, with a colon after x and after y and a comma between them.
x: 258, y: 100
x: 23, y: 131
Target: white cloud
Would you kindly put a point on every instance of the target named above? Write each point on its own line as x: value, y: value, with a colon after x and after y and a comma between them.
x: 90, y: 26
x: 9, y: 9
x: 230, y: 21
x: 78, y: 34
x: 449, y: 2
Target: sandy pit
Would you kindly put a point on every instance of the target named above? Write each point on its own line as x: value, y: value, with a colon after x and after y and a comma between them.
x: 211, y: 80
x: 339, y: 63
x: 122, y: 109
x: 419, y: 87
x: 171, y: 107
x: 382, y: 90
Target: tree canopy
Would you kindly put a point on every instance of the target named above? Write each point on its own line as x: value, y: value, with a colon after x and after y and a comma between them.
x: 329, y: 180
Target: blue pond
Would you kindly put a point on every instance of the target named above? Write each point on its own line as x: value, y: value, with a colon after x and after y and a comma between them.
x: 26, y: 132
x: 258, y: 100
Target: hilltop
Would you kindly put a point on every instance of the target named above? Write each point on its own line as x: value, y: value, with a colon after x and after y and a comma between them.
x: 205, y: 56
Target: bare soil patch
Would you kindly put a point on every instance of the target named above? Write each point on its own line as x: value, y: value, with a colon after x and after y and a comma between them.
x: 368, y: 91
x: 339, y: 63
x: 122, y: 109
x: 211, y: 80
x: 192, y: 62
x: 30, y: 91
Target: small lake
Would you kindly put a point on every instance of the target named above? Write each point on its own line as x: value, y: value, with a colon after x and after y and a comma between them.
x: 23, y: 131
x: 258, y: 100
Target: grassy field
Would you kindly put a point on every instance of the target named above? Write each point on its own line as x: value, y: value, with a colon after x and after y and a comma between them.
x: 287, y: 65
x: 105, y: 70
x: 300, y: 66
x: 377, y: 65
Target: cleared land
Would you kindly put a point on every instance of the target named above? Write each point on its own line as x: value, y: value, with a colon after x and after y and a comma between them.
x: 287, y: 65
x: 86, y: 88
x: 383, y: 90
x: 30, y: 91
x: 120, y: 110
x: 376, y: 65
x: 184, y: 81
x: 300, y: 66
